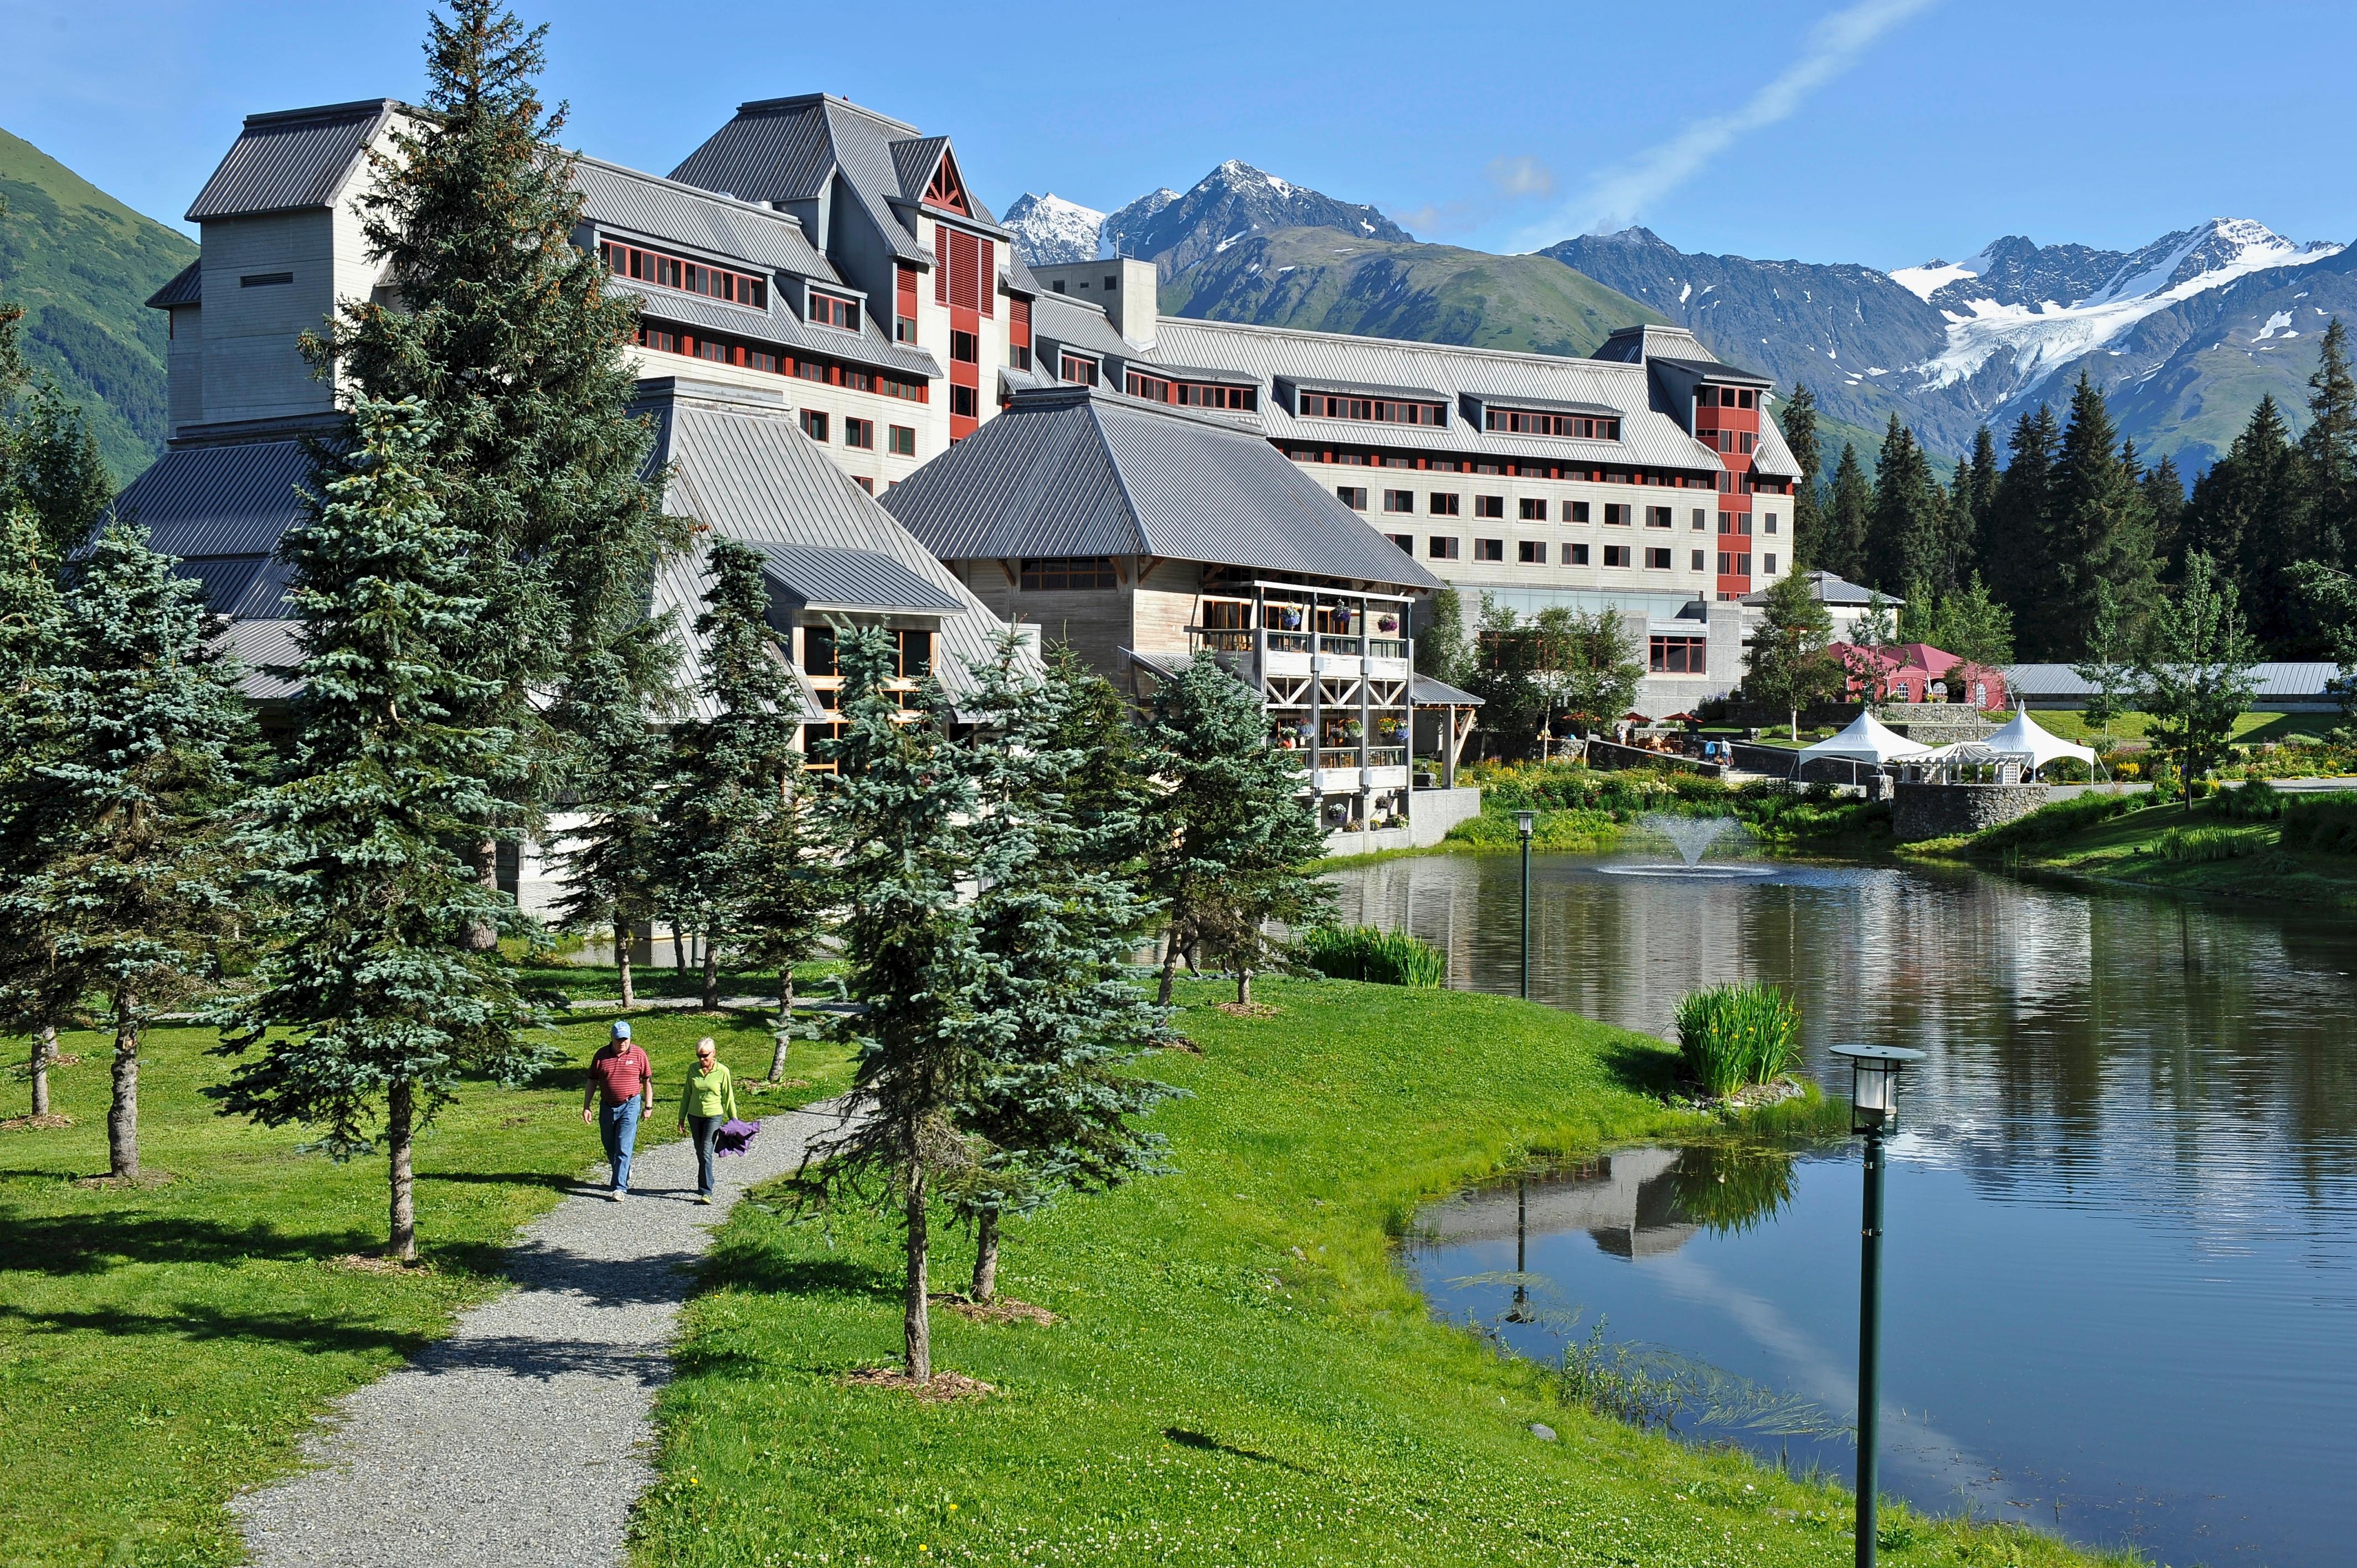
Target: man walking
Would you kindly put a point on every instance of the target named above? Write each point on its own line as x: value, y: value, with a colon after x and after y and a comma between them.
x: 621, y: 1073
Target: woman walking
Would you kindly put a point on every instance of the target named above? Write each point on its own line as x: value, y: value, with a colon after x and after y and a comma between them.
x: 707, y: 1104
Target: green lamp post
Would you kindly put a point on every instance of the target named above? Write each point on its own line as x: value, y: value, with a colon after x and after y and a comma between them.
x: 1874, y: 1111
x: 1522, y: 822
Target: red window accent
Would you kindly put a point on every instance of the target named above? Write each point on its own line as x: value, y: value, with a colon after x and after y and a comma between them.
x: 727, y: 351
x: 688, y: 277
x: 962, y: 271
x: 947, y: 189
x: 1198, y: 394
x: 986, y: 282
x: 904, y: 302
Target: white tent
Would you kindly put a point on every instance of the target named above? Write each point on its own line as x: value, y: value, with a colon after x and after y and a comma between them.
x: 2021, y: 738
x: 1869, y: 741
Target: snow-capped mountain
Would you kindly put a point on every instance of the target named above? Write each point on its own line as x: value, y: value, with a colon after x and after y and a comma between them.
x: 1048, y: 229
x: 1118, y: 236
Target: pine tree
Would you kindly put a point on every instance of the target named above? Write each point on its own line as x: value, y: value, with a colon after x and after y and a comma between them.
x: 902, y: 807
x: 507, y: 336
x: 49, y: 464
x: 372, y: 1000
x: 132, y: 888
x: 1903, y: 542
x: 1788, y: 667
x: 2328, y: 448
x: 2196, y: 671
x: 733, y: 772
x: 1058, y: 1024
x: 2164, y: 501
x: 2328, y: 596
x: 36, y: 996
x: 1107, y: 791
x: 1987, y: 475
x: 611, y: 863
x: 790, y: 893
x: 1230, y: 829
x: 1959, y: 538
x: 2248, y: 515
x: 1798, y: 420
x: 2016, y: 523
x: 1847, y: 519
x: 2109, y: 668
x: 2097, y: 529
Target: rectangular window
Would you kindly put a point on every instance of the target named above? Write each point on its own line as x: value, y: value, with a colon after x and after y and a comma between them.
x: 1065, y: 573
x: 1680, y: 655
x: 1575, y: 512
x: 1697, y: 561
x: 1531, y: 552
x: 1153, y: 389
x: 1489, y: 550
x: 1353, y: 496
x: 1726, y: 481
x: 1616, y: 515
x: 1019, y: 356
x: 1440, y: 547
x: 1533, y: 510
x: 1616, y: 556
x: 1407, y: 542
x: 1725, y: 563
x: 829, y: 310
x: 1575, y: 554
x: 818, y: 651
x: 1374, y: 411
x: 1399, y: 501
x: 904, y: 303
x: 815, y: 423
x: 1769, y: 526
x: 688, y: 277
x: 1701, y: 521
x: 656, y: 337
x: 1198, y: 394
x: 1489, y: 506
x: 1749, y: 399
x: 1727, y: 522
x: 900, y: 440
x: 1657, y: 560
x: 865, y: 483
x: 1767, y: 564
x: 264, y: 280
x: 1442, y: 505
x: 1742, y: 565
x: 1078, y: 369
x: 859, y: 432
x: 1744, y: 440
x: 964, y: 348
x: 1516, y: 421
x: 1657, y: 517
x: 966, y: 402
x: 916, y: 651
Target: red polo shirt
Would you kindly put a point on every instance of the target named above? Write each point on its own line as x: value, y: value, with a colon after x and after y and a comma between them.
x: 620, y: 1070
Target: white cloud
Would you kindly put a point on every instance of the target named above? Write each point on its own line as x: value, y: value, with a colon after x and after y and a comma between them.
x: 1622, y: 195
x: 1521, y: 177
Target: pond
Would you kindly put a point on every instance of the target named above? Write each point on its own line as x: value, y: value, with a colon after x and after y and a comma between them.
x: 2121, y: 1273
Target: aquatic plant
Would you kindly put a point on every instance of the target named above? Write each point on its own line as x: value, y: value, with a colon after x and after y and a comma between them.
x: 1364, y: 953
x: 1732, y: 1188
x: 2192, y: 846
x: 1730, y: 1037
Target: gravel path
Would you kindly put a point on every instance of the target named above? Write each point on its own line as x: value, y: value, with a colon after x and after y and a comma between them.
x: 524, y: 1438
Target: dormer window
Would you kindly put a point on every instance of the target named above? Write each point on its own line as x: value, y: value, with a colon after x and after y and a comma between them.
x: 832, y: 310
x: 1078, y: 369
x: 1375, y: 411
x: 688, y: 277
x: 1531, y: 422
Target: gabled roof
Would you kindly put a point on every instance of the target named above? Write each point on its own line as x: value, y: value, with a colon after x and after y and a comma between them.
x: 292, y: 160
x: 816, y: 578
x: 187, y: 288
x: 1080, y: 324
x: 1083, y: 471
x: 915, y: 159
x: 648, y: 205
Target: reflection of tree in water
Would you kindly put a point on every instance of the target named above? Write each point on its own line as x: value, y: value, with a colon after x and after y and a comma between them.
x: 1730, y: 1188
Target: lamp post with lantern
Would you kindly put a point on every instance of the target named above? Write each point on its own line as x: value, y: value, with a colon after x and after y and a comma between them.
x: 1874, y: 1111
x: 1522, y: 822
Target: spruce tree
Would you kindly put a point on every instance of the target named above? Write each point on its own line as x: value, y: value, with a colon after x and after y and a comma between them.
x: 2097, y: 530
x: 1058, y: 1024
x: 372, y: 1000
x: 1960, y: 536
x: 1987, y: 475
x: 2164, y: 501
x: 2328, y: 450
x: 2019, y: 568
x: 1798, y: 420
x: 1847, y: 519
x: 36, y: 996
x: 2248, y: 515
x: 1231, y: 830
x: 2328, y: 597
x: 133, y: 888
x: 1107, y: 791
x: 49, y: 464
x: 1904, y: 531
x: 790, y: 894
x: 610, y: 864
x: 507, y: 336
x: 2196, y: 671
x: 902, y: 806
x: 733, y: 772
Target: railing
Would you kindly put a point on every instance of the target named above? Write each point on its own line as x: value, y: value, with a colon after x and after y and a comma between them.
x: 1288, y: 642
x: 1328, y: 643
x: 1388, y: 756
x: 1222, y: 639
x: 1386, y: 647
x: 1336, y: 761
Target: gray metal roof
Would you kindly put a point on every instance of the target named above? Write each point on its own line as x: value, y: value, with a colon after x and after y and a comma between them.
x: 1829, y: 589
x: 1712, y: 369
x: 1078, y: 325
x: 1083, y: 471
x: 791, y: 149
x: 777, y: 324
x: 744, y: 470
x: 1647, y: 436
x: 832, y: 578
x: 1774, y: 455
x: 187, y: 288
x: 202, y: 501
x: 1474, y: 402
x: 291, y: 160
x: 2279, y: 682
x: 914, y: 159
x: 1424, y: 691
x: 263, y: 647
x: 665, y: 210
x: 1646, y: 340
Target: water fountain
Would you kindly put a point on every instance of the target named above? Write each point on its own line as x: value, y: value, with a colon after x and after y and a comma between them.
x: 1692, y: 837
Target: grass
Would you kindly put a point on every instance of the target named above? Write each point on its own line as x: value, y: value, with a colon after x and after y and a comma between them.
x: 1364, y: 953
x: 162, y: 1347
x: 1585, y: 810
x: 1733, y: 1037
x: 603, y: 982
x: 1239, y: 1371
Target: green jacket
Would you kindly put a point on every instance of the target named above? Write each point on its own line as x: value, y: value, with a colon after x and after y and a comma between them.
x: 709, y: 1093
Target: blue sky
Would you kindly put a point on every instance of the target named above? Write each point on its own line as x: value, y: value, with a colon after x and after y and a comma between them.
x: 1876, y: 131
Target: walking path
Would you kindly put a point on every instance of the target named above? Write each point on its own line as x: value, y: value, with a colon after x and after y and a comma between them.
x: 524, y: 1437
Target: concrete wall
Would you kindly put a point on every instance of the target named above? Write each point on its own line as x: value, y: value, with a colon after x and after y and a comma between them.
x: 1946, y: 811
x: 1431, y: 813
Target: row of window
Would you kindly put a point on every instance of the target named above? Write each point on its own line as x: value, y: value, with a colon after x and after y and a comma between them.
x: 1372, y: 411
x: 1729, y: 440
x: 1063, y: 573
x: 900, y: 440
x: 1191, y: 394
x: 914, y: 652
x: 752, y: 356
x: 1515, y: 421
x: 688, y: 277
x: 1534, y: 509
x: 1662, y: 479
x: 1574, y: 553
x: 1727, y: 397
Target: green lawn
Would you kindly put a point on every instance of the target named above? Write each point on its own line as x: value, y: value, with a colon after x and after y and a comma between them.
x: 1240, y: 1372
x: 162, y: 1346
x: 2250, y: 729
x: 2129, y: 848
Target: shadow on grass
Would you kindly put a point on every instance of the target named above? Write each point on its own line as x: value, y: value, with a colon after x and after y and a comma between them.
x: 92, y: 1244
x: 1186, y: 1438
x: 1641, y: 1066
x: 760, y: 1266
x: 192, y: 1321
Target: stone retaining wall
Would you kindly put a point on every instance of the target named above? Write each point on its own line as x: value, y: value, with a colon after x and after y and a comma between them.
x: 1946, y: 811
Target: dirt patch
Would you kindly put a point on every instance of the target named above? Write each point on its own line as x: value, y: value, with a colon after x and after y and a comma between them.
x: 1181, y: 1042
x: 65, y: 1058
x: 944, y: 1387
x: 764, y: 1088
x: 110, y: 1184
x: 45, y: 1121
x: 1247, y: 1009
x: 374, y: 1263
x: 1005, y: 1309
x: 516, y: 1120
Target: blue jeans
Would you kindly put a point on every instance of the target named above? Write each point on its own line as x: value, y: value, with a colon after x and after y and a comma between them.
x: 704, y: 1129
x: 619, y: 1124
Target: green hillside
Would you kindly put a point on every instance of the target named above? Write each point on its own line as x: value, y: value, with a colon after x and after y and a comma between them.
x: 1319, y: 279
x: 82, y: 265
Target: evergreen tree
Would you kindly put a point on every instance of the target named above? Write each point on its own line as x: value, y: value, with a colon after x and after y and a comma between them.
x: 49, y: 465
x: 2328, y: 448
x: 2247, y: 515
x: 1107, y: 789
x: 1987, y: 475
x: 507, y: 336
x: 902, y: 806
x: 1230, y: 829
x: 132, y: 891
x: 611, y: 863
x: 1058, y: 1024
x: 2164, y: 501
x: 2015, y: 524
x: 1960, y: 539
x: 2196, y: 671
x: 372, y: 1000
x: 733, y: 773
x: 1798, y: 420
x: 2109, y: 668
x: 1788, y: 666
x: 1440, y: 650
x: 36, y: 996
x: 2097, y: 530
x: 2329, y: 598
x: 1904, y: 540
x: 1847, y: 519
x: 790, y: 894
x: 1965, y: 622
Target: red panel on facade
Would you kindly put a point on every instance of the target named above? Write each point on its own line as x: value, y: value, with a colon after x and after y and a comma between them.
x: 985, y: 280
x: 1018, y: 323
x: 907, y: 289
x: 962, y: 272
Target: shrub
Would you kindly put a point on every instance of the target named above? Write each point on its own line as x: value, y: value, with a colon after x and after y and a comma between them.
x: 1733, y: 1035
x: 2324, y: 824
x: 1362, y: 952
x: 2191, y: 847
x: 2058, y: 821
x: 2256, y: 801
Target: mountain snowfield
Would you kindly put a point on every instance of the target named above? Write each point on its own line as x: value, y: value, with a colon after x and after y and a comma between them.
x: 1175, y: 230
x: 1050, y: 230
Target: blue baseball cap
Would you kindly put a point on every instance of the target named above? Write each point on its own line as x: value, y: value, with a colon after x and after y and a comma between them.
x: 621, y: 1031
